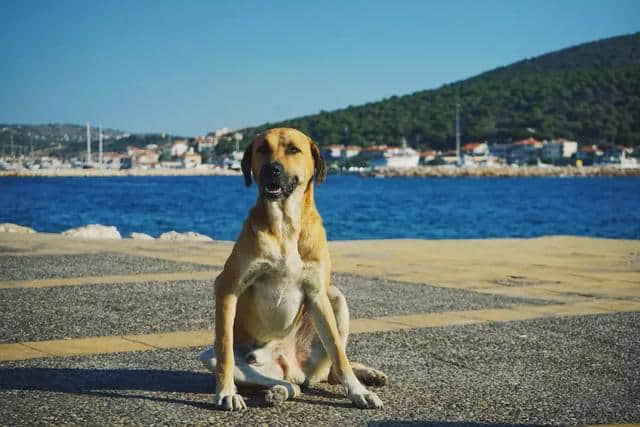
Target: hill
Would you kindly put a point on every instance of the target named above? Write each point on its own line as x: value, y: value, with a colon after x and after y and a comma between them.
x: 68, y: 140
x: 62, y: 139
x: 589, y: 93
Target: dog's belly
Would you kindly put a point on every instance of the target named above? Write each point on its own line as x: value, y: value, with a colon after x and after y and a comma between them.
x: 276, y: 303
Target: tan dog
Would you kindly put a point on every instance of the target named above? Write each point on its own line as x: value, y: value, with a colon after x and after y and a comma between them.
x: 279, y: 324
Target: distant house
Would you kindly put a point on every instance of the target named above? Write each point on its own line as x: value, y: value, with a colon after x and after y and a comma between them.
x: 140, y: 158
x: 220, y: 132
x: 589, y: 154
x: 191, y: 159
x: 558, y: 150
x: 475, y: 149
x: 179, y: 147
x: 428, y: 155
x: 449, y: 157
x: 524, y: 152
x: 333, y: 151
x: 111, y: 160
x: 374, y: 151
x: 206, y: 144
x: 350, y: 151
x: 132, y: 149
x: 500, y: 151
x: 617, y: 155
x: 474, y: 153
x: 171, y: 164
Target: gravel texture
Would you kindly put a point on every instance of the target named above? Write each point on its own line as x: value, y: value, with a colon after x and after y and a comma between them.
x: 35, y: 267
x: 375, y: 297
x: 106, y: 309
x: 150, y: 307
x: 547, y: 371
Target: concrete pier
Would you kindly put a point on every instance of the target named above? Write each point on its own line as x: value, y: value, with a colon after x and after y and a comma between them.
x: 502, y: 331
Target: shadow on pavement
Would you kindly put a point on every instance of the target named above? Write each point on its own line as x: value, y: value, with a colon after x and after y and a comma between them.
x: 71, y: 380
x: 124, y: 383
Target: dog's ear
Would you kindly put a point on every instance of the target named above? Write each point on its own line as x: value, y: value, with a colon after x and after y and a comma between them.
x: 318, y: 160
x: 246, y: 164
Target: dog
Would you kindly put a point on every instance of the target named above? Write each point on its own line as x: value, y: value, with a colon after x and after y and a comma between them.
x: 279, y: 324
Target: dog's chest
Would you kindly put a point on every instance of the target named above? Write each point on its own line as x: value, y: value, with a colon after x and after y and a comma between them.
x: 278, y: 294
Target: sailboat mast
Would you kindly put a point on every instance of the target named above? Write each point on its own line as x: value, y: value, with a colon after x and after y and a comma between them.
x: 100, y: 146
x: 88, y: 143
x: 458, y: 133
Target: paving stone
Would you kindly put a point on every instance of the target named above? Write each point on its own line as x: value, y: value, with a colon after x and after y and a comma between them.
x: 32, y: 267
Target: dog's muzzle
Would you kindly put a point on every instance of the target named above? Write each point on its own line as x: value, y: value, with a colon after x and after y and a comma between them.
x: 275, y: 183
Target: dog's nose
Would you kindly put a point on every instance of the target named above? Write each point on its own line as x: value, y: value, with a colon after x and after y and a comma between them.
x: 275, y: 169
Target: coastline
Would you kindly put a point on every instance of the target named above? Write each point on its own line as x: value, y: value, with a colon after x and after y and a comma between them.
x: 503, y: 172
x: 414, y: 172
x: 53, y: 173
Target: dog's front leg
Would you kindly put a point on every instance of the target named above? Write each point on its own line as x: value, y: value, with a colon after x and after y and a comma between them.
x: 325, y: 323
x: 227, y: 397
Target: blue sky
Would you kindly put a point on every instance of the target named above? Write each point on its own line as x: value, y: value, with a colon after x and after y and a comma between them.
x: 193, y: 66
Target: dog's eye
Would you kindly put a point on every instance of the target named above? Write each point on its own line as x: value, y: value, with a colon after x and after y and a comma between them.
x: 292, y: 149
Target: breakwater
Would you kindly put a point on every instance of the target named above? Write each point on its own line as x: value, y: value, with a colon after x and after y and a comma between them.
x: 420, y: 172
x: 44, y: 173
x: 503, y: 171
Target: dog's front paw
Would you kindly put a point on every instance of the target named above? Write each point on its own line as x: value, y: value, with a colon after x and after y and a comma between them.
x: 230, y: 402
x: 366, y: 400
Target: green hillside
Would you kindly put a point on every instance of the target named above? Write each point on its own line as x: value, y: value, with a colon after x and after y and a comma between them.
x: 589, y: 93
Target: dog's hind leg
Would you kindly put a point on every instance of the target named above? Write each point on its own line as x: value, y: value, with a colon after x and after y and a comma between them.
x: 318, y: 358
x: 323, y: 369
x: 369, y: 376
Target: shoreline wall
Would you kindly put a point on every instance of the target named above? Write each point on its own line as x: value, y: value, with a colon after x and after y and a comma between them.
x: 504, y: 171
x: 50, y: 173
x: 420, y: 172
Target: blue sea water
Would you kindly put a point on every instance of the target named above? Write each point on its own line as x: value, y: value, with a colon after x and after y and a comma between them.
x: 352, y: 207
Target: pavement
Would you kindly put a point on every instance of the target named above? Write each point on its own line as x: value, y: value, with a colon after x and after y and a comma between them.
x: 539, y: 331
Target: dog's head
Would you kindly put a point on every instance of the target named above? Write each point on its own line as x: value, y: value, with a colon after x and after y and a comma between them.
x: 280, y: 161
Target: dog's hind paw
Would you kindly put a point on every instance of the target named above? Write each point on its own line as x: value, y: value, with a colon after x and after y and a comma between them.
x: 372, y: 377
x: 277, y: 394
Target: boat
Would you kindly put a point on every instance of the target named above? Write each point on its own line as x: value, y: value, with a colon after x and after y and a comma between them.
x: 400, y: 158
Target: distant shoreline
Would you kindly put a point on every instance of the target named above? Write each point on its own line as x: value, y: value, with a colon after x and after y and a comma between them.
x: 88, y: 173
x: 419, y: 172
x: 503, y: 172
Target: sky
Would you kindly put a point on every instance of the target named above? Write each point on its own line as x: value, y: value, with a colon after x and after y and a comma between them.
x: 190, y: 67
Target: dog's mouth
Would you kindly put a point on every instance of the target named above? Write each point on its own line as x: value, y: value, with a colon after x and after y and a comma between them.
x: 273, y: 190
x: 278, y: 190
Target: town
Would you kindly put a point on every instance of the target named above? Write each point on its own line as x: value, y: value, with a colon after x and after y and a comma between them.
x: 220, y: 151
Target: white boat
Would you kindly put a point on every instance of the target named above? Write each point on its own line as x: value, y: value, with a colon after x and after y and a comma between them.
x: 400, y: 158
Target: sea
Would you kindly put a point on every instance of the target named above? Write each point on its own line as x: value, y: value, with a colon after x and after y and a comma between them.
x: 352, y: 207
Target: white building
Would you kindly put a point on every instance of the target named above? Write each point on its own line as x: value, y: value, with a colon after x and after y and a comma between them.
x: 179, y: 147
x: 558, y: 149
x: 350, y: 151
x: 333, y: 151
x: 191, y: 159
